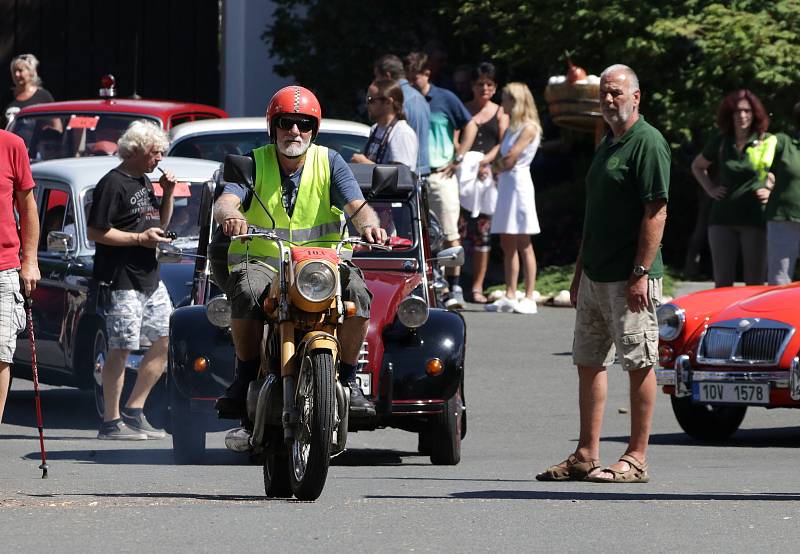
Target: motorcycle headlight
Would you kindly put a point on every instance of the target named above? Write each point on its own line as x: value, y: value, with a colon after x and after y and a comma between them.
x: 412, y: 312
x: 316, y: 282
x: 218, y: 311
x: 671, y: 319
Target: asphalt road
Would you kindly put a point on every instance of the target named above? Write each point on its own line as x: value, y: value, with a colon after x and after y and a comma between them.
x: 382, y: 496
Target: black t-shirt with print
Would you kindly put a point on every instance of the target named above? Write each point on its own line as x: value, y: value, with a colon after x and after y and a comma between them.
x: 128, y: 204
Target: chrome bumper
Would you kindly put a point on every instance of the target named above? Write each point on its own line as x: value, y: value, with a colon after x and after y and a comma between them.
x: 682, y: 376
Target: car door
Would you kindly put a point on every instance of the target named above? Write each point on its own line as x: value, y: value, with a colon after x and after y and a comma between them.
x: 56, y: 213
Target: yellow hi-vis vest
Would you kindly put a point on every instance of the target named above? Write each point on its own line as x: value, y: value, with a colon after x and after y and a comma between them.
x: 761, y: 156
x: 313, y: 218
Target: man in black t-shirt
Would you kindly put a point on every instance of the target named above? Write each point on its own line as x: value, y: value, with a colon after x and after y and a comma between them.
x: 126, y: 223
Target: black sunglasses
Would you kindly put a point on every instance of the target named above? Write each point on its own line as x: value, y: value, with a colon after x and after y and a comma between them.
x: 304, y: 124
x: 371, y: 99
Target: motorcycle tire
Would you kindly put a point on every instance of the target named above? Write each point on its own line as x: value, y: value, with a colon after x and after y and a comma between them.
x: 311, y: 450
x: 276, y: 476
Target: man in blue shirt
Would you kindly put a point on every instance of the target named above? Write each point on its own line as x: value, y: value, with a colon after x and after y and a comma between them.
x: 452, y: 132
x: 416, y: 108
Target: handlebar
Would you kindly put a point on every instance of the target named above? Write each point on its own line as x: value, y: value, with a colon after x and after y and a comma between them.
x: 254, y: 231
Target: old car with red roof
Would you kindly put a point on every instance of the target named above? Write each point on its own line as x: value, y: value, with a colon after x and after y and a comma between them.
x: 92, y: 127
x: 727, y: 349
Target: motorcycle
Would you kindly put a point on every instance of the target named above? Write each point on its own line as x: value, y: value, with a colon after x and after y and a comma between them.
x: 297, y: 406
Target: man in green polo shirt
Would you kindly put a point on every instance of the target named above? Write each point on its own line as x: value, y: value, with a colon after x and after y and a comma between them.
x: 617, y: 282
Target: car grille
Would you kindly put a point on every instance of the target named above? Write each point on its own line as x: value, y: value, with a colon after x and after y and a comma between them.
x: 744, y: 341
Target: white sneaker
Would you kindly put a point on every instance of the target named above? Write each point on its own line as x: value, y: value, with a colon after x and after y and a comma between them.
x: 502, y: 304
x: 526, y: 306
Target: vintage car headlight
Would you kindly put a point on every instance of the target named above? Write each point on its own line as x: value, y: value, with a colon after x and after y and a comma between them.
x: 218, y: 311
x: 316, y: 282
x: 671, y: 319
x: 412, y: 311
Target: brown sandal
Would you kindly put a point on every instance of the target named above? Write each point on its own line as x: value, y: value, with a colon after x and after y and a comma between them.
x: 636, y: 473
x: 571, y: 469
x: 478, y: 297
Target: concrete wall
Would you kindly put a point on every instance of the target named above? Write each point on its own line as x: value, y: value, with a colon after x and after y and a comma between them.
x: 247, y: 80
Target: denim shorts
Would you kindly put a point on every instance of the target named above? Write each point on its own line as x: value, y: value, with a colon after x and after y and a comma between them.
x: 133, y: 314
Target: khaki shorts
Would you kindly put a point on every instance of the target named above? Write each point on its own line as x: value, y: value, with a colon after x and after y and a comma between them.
x: 12, y: 313
x: 444, y: 201
x: 604, y: 326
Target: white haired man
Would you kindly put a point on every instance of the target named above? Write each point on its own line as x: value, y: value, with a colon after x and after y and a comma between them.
x: 617, y: 283
x: 126, y: 222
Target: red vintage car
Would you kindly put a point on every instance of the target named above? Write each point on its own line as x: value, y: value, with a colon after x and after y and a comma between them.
x: 725, y: 349
x: 80, y: 128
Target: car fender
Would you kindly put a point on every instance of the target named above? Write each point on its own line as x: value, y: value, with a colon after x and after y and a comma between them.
x: 192, y: 336
x: 407, y: 351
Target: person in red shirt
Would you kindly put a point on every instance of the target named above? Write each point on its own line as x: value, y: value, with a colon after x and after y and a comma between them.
x: 19, y: 268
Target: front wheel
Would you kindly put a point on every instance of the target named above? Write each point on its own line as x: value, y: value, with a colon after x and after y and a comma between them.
x: 445, y: 434
x: 315, y: 401
x: 706, y: 422
x: 277, y: 483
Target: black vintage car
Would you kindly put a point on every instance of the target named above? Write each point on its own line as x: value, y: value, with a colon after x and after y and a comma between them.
x: 411, y: 364
x: 69, y: 323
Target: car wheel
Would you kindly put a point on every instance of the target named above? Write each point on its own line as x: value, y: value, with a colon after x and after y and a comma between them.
x: 446, y: 433
x: 424, y: 443
x: 188, y: 433
x: 97, y: 350
x: 706, y: 422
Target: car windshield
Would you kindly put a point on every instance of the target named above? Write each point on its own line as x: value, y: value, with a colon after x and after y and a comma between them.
x: 217, y: 145
x: 396, y: 218
x: 70, y: 135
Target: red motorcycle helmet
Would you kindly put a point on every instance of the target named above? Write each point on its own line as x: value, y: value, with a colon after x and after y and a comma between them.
x: 290, y: 100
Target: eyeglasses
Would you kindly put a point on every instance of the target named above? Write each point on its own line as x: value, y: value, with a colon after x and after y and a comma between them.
x: 373, y: 99
x: 304, y: 124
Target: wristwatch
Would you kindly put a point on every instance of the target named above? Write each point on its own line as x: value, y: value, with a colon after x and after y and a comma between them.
x: 640, y: 270
x: 459, y: 158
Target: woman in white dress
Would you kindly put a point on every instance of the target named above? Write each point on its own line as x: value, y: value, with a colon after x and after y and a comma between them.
x: 515, y: 218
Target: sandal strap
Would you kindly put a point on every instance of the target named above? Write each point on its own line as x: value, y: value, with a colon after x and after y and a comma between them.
x: 633, y: 462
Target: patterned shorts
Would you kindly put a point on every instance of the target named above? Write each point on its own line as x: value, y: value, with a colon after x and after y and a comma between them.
x: 605, y: 327
x: 12, y: 313
x: 134, y: 314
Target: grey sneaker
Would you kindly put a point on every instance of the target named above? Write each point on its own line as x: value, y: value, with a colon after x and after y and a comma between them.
x: 455, y: 300
x: 117, y: 431
x: 140, y: 424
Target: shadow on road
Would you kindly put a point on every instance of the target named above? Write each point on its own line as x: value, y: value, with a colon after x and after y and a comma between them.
x: 598, y: 496
x: 138, y: 456
x: 162, y: 496
x: 775, y: 437
x: 376, y: 457
x: 62, y: 408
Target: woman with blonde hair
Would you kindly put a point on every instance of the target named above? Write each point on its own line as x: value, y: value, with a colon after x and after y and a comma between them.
x: 515, y: 218
x: 27, y: 85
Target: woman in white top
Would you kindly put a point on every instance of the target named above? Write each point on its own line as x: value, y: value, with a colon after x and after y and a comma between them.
x: 391, y: 140
x: 515, y: 217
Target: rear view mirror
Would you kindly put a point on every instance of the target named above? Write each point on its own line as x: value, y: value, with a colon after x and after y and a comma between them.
x: 239, y: 169
x: 384, y: 180
x: 59, y: 241
x: 451, y: 257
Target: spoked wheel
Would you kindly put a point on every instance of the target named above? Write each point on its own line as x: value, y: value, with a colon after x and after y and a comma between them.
x: 315, y: 402
x: 446, y: 433
x: 276, y: 475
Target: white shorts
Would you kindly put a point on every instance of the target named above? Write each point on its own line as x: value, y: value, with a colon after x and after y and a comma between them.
x: 443, y: 200
x: 133, y: 314
x: 12, y: 313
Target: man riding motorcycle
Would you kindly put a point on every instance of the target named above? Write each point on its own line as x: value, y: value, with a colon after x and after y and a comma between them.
x: 306, y: 188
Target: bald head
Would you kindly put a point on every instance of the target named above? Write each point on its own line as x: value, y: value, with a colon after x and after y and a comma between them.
x: 622, y: 74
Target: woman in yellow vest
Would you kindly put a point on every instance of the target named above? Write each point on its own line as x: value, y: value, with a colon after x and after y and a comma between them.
x: 306, y: 188
x: 742, y: 151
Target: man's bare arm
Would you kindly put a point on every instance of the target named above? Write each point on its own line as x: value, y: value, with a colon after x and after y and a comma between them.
x: 228, y: 216
x: 29, y: 231
x: 651, y: 232
x: 366, y: 221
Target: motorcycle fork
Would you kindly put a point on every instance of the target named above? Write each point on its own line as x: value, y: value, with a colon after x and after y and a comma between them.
x: 288, y: 377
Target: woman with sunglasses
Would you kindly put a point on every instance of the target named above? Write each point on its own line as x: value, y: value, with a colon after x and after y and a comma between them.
x: 27, y: 89
x: 391, y: 139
